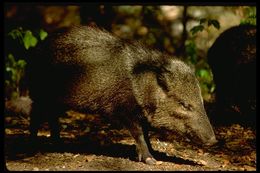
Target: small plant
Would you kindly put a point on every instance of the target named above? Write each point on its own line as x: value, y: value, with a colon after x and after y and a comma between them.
x: 14, y: 73
x: 204, y: 23
x: 14, y: 66
x: 203, y: 71
x: 250, y: 16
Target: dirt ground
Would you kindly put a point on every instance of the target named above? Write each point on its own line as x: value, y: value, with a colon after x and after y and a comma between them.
x: 91, y: 143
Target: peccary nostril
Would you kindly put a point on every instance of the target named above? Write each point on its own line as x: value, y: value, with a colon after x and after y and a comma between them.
x: 212, y: 141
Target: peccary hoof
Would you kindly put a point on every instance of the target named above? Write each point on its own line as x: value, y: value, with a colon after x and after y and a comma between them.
x: 34, y: 146
x: 147, y: 159
x: 56, y: 141
x: 150, y: 161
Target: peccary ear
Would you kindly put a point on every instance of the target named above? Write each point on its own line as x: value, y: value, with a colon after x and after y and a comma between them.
x: 149, y: 87
x: 158, y: 70
x: 162, y: 81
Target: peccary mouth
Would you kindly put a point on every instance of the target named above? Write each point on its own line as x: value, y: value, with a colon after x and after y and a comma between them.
x: 201, y: 140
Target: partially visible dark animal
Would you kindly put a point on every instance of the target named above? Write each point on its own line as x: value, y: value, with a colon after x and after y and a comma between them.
x: 232, y: 59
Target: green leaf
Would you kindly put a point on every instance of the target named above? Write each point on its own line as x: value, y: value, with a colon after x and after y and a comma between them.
x: 212, y: 88
x: 191, y: 50
x: 16, y: 33
x: 203, y: 73
x: 215, y: 23
x: 196, y: 29
x: 43, y: 34
x: 21, y: 63
x: 8, y: 69
x: 29, y: 40
x: 10, y: 59
x: 202, y: 21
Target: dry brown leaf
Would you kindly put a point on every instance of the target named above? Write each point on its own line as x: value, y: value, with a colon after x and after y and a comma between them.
x: 89, y: 158
x: 249, y: 168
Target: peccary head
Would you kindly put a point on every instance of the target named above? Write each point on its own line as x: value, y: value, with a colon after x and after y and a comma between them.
x: 172, y: 100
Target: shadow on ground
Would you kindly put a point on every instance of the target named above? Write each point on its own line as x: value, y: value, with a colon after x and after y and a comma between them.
x: 19, y: 147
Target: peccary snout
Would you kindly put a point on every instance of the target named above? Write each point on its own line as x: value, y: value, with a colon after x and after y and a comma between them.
x: 202, y: 134
x: 212, y: 141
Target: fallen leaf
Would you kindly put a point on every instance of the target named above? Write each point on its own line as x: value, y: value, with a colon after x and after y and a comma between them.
x: 202, y: 162
x: 159, y: 162
x: 249, y: 168
x: 75, y: 155
x: 36, y: 169
x: 89, y: 158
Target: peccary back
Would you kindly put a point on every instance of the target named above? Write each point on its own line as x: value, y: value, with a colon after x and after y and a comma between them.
x: 90, y: 70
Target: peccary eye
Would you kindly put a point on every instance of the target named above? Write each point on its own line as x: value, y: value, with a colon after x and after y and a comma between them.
x: 185, y: 106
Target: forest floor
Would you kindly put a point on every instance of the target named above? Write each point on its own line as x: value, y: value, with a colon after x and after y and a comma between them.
x: 91, y: 143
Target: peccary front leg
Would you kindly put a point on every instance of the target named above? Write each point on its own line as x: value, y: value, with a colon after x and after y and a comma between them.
x: 36, y: 119
x: 55, y: 126
x: 142, y: 145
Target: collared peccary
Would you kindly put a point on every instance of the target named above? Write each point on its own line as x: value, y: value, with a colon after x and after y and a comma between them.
x: 89, y: 70
x: 232, y: 58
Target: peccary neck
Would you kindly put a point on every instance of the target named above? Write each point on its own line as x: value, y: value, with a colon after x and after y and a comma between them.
x: 145, y: 59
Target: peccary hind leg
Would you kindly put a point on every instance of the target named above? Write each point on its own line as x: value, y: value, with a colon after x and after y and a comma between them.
x: 55, y: 127
x: 35, y: 121
x: 40, y: 114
